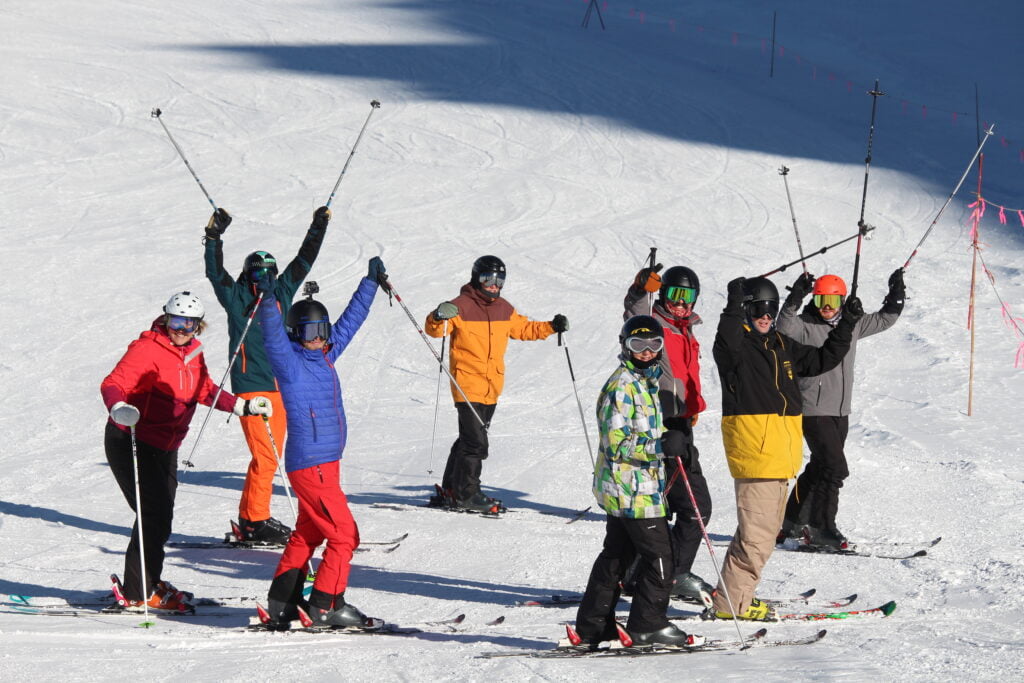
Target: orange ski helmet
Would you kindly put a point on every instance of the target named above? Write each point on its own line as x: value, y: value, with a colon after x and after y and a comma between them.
x: 830, y: 284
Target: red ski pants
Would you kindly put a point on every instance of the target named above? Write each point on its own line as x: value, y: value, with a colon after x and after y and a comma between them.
x: 323, y: 515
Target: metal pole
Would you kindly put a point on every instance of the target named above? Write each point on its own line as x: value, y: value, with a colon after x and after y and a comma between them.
x: 863, y: 231
x: 875, y: 94
x: 800, y: 247
x: 138, y: 521
x: 156, y: 115
x: 952, y: 194
x: 579, y: 404
x: 220, y: 387
x: 374, y: 105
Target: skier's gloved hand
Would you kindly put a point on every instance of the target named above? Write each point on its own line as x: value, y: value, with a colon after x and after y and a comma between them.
x: 736, y: 293
x: 853, y: 309
x: 897, y: 290
x: 219, y: 222
x: 445, y: 311
x: 802, y: 286
x: 257, y: 405
x: 648, y: 279
x: 321, y: 217
x: 265, y: 285
x: 560, y: 323
x: 376, y: 270
x: 124, y: 414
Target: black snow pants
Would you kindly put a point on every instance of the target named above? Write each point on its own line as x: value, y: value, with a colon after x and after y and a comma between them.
x: 686, y: 533
x: 466, y: 458
x: 625, y: 539
x: 815, y: 498
x: 158, y: 482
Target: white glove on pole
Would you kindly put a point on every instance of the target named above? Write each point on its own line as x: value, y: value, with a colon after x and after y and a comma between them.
x: 124, y: 414
x: 257, y: 405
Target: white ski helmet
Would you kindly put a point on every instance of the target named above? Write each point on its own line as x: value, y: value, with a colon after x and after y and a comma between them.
x: 185, y: 304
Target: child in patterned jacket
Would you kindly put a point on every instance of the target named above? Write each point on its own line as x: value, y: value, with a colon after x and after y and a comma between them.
x: 629, y: 484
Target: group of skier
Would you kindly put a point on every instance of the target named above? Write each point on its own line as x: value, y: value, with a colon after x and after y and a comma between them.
x: 783, y: 375
x: 773, y: 365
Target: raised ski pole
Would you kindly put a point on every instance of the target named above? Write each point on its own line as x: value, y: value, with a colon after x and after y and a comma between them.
x: 572, y: 376
x: 863, y: 231
x: 800, y: 247
x: 385, y: 282
x: 875, y: 94
x: 146, y: 623
x: 156, y: 115
x: 711, y: 549
x: 650, y: 295
x: 951, y: 194
x: 374, y: 105
x: 220, y: 387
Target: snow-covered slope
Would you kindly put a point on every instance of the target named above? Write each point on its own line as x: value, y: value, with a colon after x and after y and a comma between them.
x: 506, y: 128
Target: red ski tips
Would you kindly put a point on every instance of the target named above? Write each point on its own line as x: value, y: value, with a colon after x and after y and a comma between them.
x: 624, y: 637
x: 304, y: 618
x: 570, y: 633
x: 263, y: 614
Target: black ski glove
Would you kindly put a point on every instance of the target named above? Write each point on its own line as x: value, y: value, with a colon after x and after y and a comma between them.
x: 802, y: 286
x: 648, y: 279
x: 853, y: 309
x: 219, y: 222
x: 560, y: 323
x: 737, y: 294
x: 321, y: 217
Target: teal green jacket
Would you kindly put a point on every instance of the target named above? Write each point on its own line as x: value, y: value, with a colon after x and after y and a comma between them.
x: 251, y: 371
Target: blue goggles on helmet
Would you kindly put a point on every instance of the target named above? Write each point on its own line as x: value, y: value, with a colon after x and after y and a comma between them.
x: 181, y: 323
x: 308, y: 332
x: 491, y: 280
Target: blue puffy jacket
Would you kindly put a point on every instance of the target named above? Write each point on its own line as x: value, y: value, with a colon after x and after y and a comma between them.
x: 309, y: 384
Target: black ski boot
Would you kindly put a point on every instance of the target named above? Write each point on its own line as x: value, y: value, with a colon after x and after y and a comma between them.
x: 671, y: 635
x: 341, y: 615
x: 691, y: 588
x: 265, y: 531
x: 825, y: 538
x: 478, y: 502
x: 285, y: 598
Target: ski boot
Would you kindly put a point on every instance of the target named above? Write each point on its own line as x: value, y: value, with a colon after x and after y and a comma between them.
x: 478, y: 502
x: 671, y: 635
x: 790, y: 530
x: 442, y: 499
x: 270, y: 531
x: 758, y: 611
x: 341, y: 616
x: 691, y: 588
x: 831, y: 539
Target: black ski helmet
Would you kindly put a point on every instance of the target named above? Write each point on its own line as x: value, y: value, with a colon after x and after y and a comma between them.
x: 762, y: 296
x: 483, y: 266
x: 678, y: 276
x: 257, y: 260
x: 643, y: 326
x: 304, y: 312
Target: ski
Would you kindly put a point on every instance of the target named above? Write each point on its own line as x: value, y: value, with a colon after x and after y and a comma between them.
x: 373, y: 546
x: 880, y: 611
x: 853, y: 551
x: 883, y: 610
x: 409, y: 506
x: 565, y: 649
x: 805, y: 598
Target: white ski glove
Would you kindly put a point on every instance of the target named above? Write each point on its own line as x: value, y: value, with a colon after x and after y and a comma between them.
x: 257, y: 405
x: 124, y: 414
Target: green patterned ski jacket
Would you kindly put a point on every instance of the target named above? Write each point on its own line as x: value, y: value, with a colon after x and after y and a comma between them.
x: 629, y: 478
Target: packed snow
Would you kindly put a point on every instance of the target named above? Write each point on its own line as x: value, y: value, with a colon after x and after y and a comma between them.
x: 507, y: 128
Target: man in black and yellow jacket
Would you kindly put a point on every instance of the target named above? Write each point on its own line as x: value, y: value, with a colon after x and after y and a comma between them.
x: 761, y: 427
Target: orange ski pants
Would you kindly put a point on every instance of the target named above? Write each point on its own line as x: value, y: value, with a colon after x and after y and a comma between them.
x: 259, y: 480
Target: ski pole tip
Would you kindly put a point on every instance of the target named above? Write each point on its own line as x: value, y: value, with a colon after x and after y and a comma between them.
x: 375, y: 104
